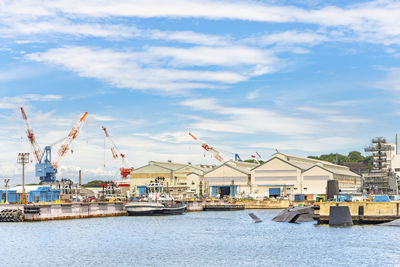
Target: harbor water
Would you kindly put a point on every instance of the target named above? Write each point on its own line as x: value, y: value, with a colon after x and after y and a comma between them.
x: 215, y: 238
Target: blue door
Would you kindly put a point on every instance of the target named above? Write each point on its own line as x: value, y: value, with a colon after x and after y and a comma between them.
x: 233, y: 190
x: 142, y: 190
x: 274, y: 192
x: 214, y: 191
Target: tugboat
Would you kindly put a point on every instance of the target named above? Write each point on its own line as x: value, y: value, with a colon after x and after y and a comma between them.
x: 157, y: 202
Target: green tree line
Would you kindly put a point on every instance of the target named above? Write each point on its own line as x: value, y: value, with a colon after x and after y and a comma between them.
x: 353, y: 156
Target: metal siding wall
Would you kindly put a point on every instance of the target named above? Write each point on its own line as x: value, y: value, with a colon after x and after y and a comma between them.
x: 316, y: 177
x: 278, y: 178
x: 236, y: 179
x: 275, y: 171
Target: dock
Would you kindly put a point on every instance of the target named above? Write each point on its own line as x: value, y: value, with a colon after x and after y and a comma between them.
x: 45, y: 212
x: 362, y: 212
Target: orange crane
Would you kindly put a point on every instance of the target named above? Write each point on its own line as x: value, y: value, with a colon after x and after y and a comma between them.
x: 45, y: 168
x: 114, y: 149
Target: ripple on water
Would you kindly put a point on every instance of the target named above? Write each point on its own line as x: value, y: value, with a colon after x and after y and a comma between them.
x: 195, y: 239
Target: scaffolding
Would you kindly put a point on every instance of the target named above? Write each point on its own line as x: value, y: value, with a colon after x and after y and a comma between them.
x: 381, y: 179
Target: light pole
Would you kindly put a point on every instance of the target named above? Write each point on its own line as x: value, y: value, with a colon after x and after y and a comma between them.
x: 6, y: 182
x: 23, y: 158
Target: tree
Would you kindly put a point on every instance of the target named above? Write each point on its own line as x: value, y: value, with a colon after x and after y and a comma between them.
x: 355, y: 156
x: 94, y: 183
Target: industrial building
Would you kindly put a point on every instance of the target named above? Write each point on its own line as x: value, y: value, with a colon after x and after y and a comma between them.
x: 281, y: 176
x: 175, y: 175
x: 231, y: 178
x: 286, y: 175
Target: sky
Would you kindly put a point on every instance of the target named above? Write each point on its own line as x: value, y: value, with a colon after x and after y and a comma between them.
x: 304, y: 77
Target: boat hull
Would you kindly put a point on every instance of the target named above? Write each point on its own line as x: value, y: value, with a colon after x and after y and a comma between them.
x: 141, y: 209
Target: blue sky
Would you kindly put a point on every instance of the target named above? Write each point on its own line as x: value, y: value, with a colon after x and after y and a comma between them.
x: 306, y: 78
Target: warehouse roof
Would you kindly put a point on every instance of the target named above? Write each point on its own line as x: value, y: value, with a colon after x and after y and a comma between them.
x: 231, y: 164
x: 305, y: 164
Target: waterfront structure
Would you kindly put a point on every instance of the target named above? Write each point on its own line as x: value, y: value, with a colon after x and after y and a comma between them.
x: 231, y: 178
x: 174, y: 174
x: 286, y: 175
x: 382, y: 178
x: 281, y: 176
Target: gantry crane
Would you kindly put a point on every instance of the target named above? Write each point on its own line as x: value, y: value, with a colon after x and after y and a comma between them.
x: 45, y: 168
x: 114, y: 149
x: 215, y: 153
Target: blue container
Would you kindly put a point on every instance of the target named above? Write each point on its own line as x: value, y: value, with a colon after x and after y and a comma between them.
x: 12, y: 196
x: 381, y: 199
x: 44, y: 194
x: 299, y: 197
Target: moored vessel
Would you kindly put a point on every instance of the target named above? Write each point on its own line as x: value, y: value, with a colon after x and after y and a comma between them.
x: 157, y: 202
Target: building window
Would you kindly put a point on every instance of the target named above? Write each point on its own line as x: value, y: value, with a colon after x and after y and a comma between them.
x: 288, y: 188
x: 397, y: 169
x: 305, y: 188
x: 295, y: 188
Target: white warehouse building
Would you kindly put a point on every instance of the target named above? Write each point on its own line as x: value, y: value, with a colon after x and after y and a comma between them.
x: 286, y: 175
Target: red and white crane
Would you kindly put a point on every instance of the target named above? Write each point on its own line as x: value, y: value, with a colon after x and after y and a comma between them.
x: 117, y: 153
x: 45, y: 168
x: 215, y: 153
x: 72, y: 135
x: 37, y: 152
x: 255, y: 157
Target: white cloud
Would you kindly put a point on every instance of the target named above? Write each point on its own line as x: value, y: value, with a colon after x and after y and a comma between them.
x: 391, y: 81
x: 288, y: 37
x: 374, y: 21
x: 244, y: 120
x: 316, y: 145
x: 253, y: 95
x: 159, y: 68
x: 249, y: 120
x: 17, y: 101
x: 317, y: 110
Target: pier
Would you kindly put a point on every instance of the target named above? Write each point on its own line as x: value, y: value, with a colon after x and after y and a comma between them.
x: 362, y: 212
x: 44, y: 212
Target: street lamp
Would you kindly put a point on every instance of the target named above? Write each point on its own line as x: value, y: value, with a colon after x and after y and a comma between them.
x: 6, y: 182
x: 23, y: 158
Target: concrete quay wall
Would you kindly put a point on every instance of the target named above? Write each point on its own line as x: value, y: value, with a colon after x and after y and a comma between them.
x: 363, y: 212
x: 256, y: 204
x: 69, y: 210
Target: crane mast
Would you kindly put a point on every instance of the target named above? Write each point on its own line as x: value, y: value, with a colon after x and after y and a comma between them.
x: 114, y: 149
x: 72, y: 135
x: 31, y: 137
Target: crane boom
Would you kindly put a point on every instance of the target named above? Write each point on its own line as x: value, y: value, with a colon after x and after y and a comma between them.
x: 114, y: 149
x: 208, y: 148
x: 31, y: 136
x: 70, y: 138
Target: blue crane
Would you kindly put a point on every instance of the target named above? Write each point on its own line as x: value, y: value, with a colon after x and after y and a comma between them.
x: 45, y: 168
